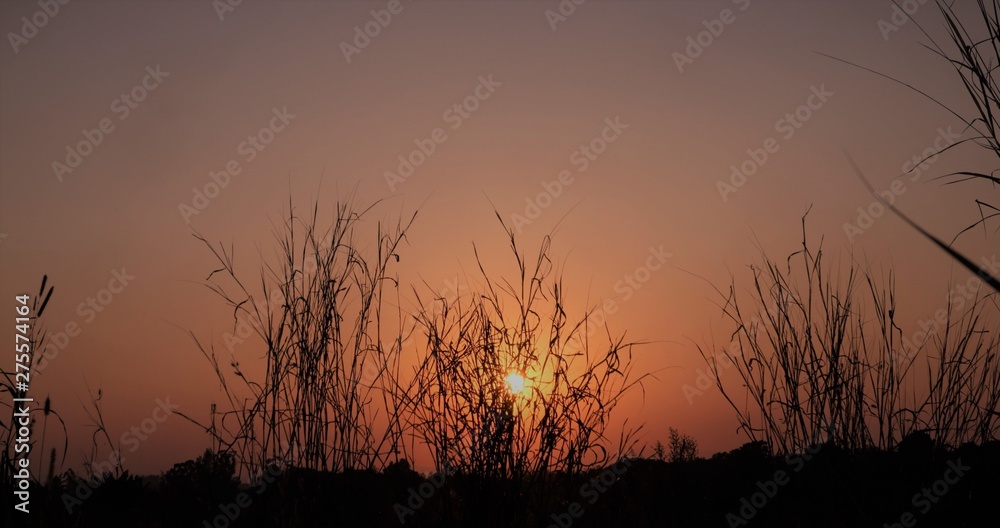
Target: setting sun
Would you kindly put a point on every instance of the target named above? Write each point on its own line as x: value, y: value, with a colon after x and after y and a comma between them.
x: 516, y: 384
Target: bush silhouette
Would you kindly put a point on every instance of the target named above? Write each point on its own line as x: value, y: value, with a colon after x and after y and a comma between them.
x: 202, y: 483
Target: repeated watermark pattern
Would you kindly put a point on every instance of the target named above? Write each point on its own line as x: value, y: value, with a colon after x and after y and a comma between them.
x: 580, y: 159
x: 563, y: 11
x: 455, y: 115
x: 914, y: 168
x: 899, y: 15
x: 364, y: 34
x: 249, y: 149
x: 33, y: 24
x: 787, y: 127
x: 132, y: 439
x: 88, y: 310
x: 697, y: 44
x: 122, y: 107
x: 925, y: 499
x: 591, y: 491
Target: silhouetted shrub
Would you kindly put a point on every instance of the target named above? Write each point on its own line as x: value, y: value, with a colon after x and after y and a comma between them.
x: 683, y: 448
x: 202, y: 483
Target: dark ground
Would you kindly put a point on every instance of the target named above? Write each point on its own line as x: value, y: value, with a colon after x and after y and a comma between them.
x: 822, y: 487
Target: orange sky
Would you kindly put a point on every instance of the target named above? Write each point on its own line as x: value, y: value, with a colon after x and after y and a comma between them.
x: 592, y: 111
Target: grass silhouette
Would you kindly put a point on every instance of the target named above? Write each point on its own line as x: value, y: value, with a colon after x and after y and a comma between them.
x: 820, y: 356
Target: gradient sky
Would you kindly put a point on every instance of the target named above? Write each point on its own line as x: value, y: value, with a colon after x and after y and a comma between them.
x: 655, y: 185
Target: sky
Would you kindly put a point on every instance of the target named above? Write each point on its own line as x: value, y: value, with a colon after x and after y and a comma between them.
x: 614, y: 127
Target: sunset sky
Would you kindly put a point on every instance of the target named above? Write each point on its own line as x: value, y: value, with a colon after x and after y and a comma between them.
x: 604, y: 126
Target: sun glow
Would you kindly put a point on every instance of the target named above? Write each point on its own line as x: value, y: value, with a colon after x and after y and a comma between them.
x: 516, y: 384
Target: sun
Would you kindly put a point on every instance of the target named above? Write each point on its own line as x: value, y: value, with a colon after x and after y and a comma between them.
x: 516, y: 384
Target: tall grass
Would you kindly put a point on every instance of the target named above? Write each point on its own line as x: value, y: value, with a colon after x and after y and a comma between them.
x: 8, y: 385
x: 974, y: 56
x: 820, y: 356
x: 318, y: 315
x: 334, y: 395
x: 460, y: 404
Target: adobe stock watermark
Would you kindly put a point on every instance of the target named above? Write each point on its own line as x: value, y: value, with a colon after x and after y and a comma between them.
x: 249, y: 148
x: 703, y: 378
x: 591, y: 491
x: 787, y: 126
x: 363, y: 34
x: 626, y: 287
x: 456, y: 115
x: 122, y: 106
x: 229, y: 512
x: 417, y: 498
x: 714, y: 28
x: 961, y: 295
x: 246, y: 325
x: 563, y: 11
x: 915, y: 167
x: 924, y: 500
x: 224, y: 7
x: 581, y: 160
x: 88, y: 310
x: 134, y: 437
x: 768, y: 489
x: 30, y: 26
x: 724, y: 359
x: 899, y: 15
